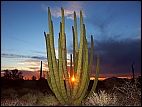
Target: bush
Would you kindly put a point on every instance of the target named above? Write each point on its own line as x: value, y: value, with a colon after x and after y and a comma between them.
x: 9, y: 93
x: 32, y: 98
x: 23, y: 91
x: 28, y: 98
x: 15, y: 102
x: 128, y: 94
x: 9, y: 102
x: 101, y: 99
x: 48, y: 100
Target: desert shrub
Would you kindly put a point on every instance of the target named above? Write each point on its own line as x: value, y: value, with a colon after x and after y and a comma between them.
x: 36, y: 92
x: 15, y: 102
x: 101, y: 99
x: 23, y: 91
x: 28, y: 99
x: 22, y: 102
x: 128, y: 94
x: 48, y: 100
x: 9, y: 102
x: 32, y: 98
x: 9, y: 93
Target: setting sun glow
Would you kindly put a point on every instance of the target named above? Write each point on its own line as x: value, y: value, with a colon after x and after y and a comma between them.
x: 73, y: 79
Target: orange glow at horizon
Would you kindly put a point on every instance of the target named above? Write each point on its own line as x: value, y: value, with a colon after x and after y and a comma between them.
x: 34, y: 70
x: 103, y: 78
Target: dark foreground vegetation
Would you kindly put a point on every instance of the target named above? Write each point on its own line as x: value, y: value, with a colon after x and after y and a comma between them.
x: 111, y: 91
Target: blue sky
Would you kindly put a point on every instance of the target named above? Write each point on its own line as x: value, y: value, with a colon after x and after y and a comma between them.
x: 23, y: 24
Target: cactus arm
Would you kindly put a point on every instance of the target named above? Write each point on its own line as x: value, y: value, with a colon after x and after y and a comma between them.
x: 55, y: 74
x: 79, y: 57
x: 49, y: 83
x: 85, y: 66
x: 49, y: 62
x: 75, y: 29
x: 74, y: 64
x: 91, y: 60
x: 71, y: 70
x: 63, y: 45
x: 50, y: 65
x: 54, y: 61
x: 71, y: 74
x: 63, y: 21
x: 96, y: 77
x: 84, y: 80
x: 75, y: 53
x: 76, y: 42
x: 91, y: 54
x: 49, y: 20
x: 63, y: 90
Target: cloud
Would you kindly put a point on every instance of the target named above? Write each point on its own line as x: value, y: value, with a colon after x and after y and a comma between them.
x: 39, y: 57
x: 7, y: 55
x: 117, y: 56
x: 27, y: 62
x: 68, y: 13
x: 38, y: 52
x: 34, y: 65
x: 69, y: 9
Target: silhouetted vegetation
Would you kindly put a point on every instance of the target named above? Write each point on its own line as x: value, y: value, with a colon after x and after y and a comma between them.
x: 133, y: 71
x: 12, y: 74
x: 41, y: 70
x: 33, y: 78
x: 110, y: 91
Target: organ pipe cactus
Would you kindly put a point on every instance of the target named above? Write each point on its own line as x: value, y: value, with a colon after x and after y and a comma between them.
x: 41, y: 70
x: 66, y: 90
x: 133, y: 71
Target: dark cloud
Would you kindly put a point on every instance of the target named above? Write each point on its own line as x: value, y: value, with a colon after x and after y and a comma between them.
x: 117, y: 56
x: 39, y: 57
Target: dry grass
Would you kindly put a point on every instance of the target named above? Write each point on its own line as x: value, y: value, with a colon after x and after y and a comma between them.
x: 9, y: 102
x: 48, y: 100
x: 128, y: 94
x: 29, y: 98
x: 101, y: 99
x: 23, y: 91
x: 9, y: 93
x: 15, y: 102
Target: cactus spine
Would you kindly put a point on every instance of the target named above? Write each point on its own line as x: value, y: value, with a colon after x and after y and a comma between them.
x: 68, y: 92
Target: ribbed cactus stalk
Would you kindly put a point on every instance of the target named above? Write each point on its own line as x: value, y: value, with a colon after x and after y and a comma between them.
x: 70, y: 88
x: 133, y: 71
x: 71, y: 70
x: 41, y: 70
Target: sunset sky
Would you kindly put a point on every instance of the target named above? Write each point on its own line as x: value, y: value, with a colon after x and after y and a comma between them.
x: 115, y: 26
